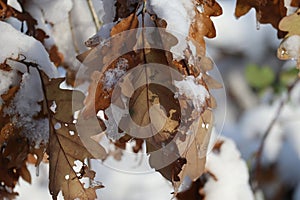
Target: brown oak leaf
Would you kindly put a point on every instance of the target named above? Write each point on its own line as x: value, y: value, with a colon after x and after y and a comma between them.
x: 267, y: 11
x: 65, y: 145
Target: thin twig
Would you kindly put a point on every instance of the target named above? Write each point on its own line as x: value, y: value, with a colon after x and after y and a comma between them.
x: 74, y: 41
x: 268, y: 131
x: 94, y: 15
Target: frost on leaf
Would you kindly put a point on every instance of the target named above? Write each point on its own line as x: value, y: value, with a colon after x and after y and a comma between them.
x: 267, y: 11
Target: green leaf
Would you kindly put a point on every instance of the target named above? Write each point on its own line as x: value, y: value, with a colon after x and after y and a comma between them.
x: 259, y: 77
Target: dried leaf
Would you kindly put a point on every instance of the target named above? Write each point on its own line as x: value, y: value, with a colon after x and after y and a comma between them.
x: 7, y: 11
x: 124, y: 8
x: 13, y: 160
x: 195, y: 154
x: 55, y: 56
x: 295, y: 3
x: 40, y: 35
x: 10, y: 93
x: 6, y: 132
x: 65, y: 148
x: 290, y: 24
x: 267, y: 11
x: 128, y: 23
x: 202, y: 25
x: 5, y: 67
x: 66, y: 100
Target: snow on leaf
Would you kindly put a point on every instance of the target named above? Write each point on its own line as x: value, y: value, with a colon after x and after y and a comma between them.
x: 28, y: 47
x: 7, y: 11
x: 290, y: 49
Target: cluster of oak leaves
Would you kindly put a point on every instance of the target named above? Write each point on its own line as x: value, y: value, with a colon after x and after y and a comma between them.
x: 63, y: 149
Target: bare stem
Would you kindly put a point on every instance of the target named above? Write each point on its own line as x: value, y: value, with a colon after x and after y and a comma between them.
x: 94, y: 15
x: 268, y: 131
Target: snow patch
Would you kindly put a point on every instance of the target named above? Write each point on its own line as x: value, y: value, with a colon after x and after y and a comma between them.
x: 231, y: 173
x: 112, y: 76
x: 190, y: 89
x: 14, y: 43
x: 25, y: 107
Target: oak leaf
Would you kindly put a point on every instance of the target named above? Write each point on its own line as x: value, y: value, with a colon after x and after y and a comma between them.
x: 290, y: 24
x: 128, y: 23
x: 267, y: 11
x: 202, y: 25
x: 65, y: 145
x: 196, y: 150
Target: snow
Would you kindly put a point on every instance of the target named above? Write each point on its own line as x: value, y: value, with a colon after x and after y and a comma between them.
x: 82, y: 24
x: 27, y: 46
x: 290, y: 9
x: 114, y: 115
x: 179, y: 16
x: 190, y: 89
x: 289, y: 48
x: 38, y: 188
x: 25, y: 107
x: 241, y: 35
x: 107, y: 11
x: 112, y: 76
x: 231, y: 173
x: 7, y: 79
x: 55, y: 11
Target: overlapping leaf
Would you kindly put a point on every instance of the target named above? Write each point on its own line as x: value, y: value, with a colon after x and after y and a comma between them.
x: 65, y: 146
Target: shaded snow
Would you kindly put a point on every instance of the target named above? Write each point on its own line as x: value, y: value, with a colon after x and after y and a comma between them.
x: 32, y: 49
x: 55, y: 11
x: 231, y: 173
x: 25, y: 107
x: 179, y: 15
x: 7, y: 79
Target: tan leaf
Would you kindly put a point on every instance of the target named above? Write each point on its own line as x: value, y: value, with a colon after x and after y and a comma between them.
x: 291, y: 23
x: 195, y: 147
x: 65, y: 100
x: 25, y: 174
x: 64, y: 150
x: 202, y: 25
x: 65, y: 145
